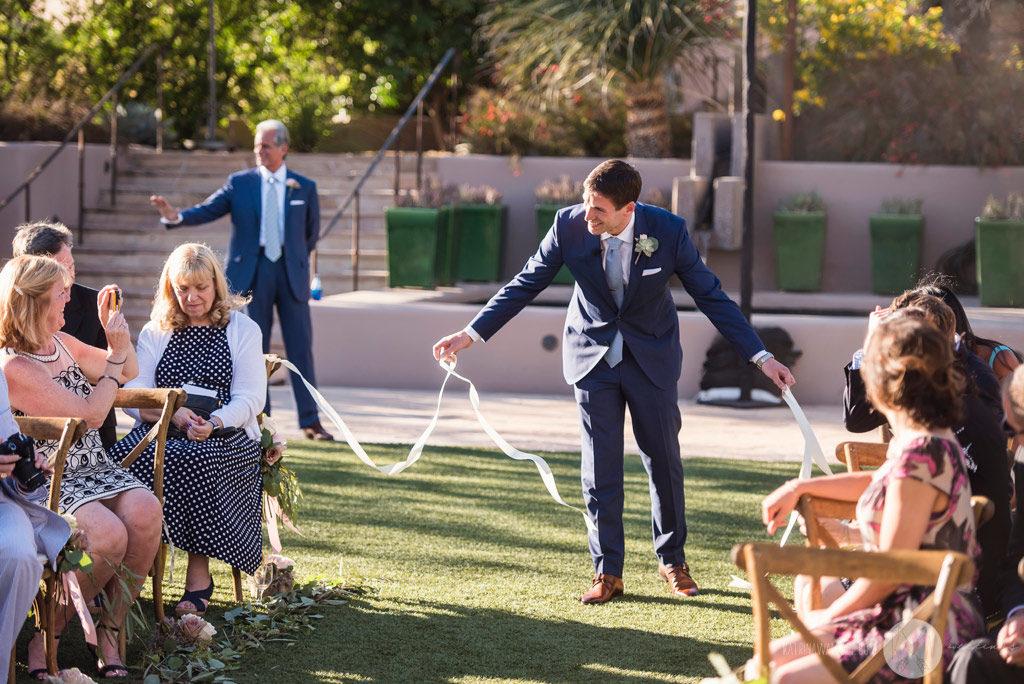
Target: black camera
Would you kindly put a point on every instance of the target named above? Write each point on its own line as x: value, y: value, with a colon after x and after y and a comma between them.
x: 25, y: 472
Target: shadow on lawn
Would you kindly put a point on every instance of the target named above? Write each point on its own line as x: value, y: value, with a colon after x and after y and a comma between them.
x: 434, y: 642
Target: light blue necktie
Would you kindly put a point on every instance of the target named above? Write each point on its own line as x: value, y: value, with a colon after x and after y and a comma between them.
x: 271, y: 223
x: 613, y: 274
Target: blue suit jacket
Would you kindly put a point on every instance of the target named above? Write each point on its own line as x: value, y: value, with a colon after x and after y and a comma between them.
x: 647, y: 318
x: 240, y: 196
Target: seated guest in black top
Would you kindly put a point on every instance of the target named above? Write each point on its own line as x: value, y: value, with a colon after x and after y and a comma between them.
x: 1001, y: 661
x: 81, y: 319
x: 980, y: 435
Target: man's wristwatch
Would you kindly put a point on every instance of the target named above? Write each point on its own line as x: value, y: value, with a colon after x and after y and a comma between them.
x: 761, y: 361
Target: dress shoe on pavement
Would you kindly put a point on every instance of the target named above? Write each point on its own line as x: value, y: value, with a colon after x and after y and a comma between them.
x: 316, y: 431
x: 678, y: 577
x: 604, y: 588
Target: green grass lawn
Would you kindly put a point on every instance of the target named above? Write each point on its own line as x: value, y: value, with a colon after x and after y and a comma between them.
x: 477, y: 574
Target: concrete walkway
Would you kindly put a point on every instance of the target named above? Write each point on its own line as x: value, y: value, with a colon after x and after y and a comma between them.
x: 550, y: 423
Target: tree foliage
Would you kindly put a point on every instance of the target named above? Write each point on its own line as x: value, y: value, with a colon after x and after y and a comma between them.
x: 555, y: 46
x: 301, y: 61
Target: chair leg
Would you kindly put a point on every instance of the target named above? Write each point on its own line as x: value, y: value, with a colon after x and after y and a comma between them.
x: 10, y: 669
x: 158, y: 581
x: 236, y: 574
x: 49, y: 617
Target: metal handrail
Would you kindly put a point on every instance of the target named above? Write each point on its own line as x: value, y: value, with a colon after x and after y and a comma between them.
x: 74, y: 132
x: 391, y: 139
x: 353, y: 196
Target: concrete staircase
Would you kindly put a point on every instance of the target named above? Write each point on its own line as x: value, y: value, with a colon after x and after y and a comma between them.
x: 126, y: 243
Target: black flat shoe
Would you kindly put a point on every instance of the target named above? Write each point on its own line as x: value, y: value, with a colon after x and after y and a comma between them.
x: 200, y: 598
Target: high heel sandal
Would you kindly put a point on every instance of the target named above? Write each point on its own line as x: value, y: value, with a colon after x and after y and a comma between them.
x: 200, y: 598
x: 112, y: 671
x: 42, y: 672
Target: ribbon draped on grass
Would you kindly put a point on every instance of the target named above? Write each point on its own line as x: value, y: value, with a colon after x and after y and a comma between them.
x: 417, y: 449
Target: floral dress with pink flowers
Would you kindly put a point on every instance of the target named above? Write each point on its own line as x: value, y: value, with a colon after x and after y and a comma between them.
x: 938, y: 462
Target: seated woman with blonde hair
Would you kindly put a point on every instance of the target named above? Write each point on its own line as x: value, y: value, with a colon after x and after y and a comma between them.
x: 920, y: 498
x: 198, y: 340
x: 50, y: 373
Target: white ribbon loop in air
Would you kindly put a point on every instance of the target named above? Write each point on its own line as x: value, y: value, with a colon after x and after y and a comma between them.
x: 812, y: 452
x: 474, y: 398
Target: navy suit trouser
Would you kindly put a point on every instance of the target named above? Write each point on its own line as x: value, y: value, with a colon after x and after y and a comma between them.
x: 270, y: 287
x: 602, y: 396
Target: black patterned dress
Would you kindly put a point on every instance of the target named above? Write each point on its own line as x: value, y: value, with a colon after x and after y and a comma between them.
x: 90, y: 474
x: 212, y: 489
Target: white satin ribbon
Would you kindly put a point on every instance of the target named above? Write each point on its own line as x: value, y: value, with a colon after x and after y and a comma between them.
x: 812, y: 452
x: 545, y: 471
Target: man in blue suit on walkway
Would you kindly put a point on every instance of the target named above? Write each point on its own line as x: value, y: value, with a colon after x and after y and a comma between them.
x: 275, y: 224
x: 621, y: 348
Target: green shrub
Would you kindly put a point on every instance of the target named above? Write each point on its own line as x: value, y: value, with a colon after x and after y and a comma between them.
x: 802, y: 203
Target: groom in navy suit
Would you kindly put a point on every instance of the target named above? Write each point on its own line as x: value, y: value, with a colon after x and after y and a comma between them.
x: 275, y: 224
x: 621, y: 348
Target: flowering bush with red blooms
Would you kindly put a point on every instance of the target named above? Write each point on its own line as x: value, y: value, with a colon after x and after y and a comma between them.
x: 514, y: 122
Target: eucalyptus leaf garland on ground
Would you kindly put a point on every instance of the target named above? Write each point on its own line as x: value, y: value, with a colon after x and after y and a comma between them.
x: 190, y: 649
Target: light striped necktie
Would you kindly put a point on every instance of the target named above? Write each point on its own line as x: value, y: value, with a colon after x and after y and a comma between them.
x: 613, y: 274
x: 271, y: 222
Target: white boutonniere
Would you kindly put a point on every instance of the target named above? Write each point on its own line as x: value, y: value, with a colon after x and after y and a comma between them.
x: 292, y: 184
x: 646, y: 246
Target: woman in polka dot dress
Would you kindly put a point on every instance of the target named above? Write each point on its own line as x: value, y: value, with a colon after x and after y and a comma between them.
x: 197, y: 338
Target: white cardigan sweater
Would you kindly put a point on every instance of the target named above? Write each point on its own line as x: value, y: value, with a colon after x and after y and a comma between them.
x: 248, y: 371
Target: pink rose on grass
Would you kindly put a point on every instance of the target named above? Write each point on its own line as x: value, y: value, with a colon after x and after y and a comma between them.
x: 193, y: 630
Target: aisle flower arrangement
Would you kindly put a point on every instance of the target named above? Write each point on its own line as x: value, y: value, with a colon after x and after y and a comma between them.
x: 281, y: 490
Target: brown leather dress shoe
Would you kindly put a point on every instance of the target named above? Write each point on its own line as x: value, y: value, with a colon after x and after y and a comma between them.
x: 316, y: 431
x: 678, y: 577
x: 604, y: 588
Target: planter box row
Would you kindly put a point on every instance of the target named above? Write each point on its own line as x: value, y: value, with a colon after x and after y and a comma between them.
x: 431, y: 247
x: 896, y: 255
x: 800, y: 250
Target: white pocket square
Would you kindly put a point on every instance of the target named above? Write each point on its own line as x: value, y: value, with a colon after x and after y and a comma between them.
x: 294, y: 202
x: 650, y: 271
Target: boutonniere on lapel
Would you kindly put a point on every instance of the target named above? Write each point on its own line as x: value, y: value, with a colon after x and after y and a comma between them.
x: 645, y: 245
x: 292, y: 184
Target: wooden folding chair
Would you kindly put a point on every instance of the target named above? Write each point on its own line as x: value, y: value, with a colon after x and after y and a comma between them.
x: 65, y: 431
x: 168, y: 401
x: 860, y: 455
x: 814, y: 509
x: 944, y: 570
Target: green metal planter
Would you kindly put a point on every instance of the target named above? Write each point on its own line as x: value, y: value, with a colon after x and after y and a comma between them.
x: 799, y: 250
x: 895, y: 251
x: 420, y: 246
x: 1000, y: 254
x: 479, y: 241
x: 546, y: 219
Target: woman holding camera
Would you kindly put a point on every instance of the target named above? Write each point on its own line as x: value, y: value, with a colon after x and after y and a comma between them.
x: 50, y: 373
x: 198, y: 340
x: 25, y: 529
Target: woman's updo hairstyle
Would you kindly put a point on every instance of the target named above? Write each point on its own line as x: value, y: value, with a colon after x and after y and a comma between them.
x: 908, y: 366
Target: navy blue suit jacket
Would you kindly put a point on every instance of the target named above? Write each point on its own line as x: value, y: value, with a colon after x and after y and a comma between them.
x: 647, y: 318
x: 240, y: 196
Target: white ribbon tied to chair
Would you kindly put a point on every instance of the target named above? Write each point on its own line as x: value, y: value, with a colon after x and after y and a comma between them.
x: 812, y: 452
x: 417, y: 449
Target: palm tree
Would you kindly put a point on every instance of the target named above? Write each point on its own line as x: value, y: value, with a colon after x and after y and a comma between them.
x: 560, y: 45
